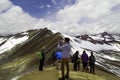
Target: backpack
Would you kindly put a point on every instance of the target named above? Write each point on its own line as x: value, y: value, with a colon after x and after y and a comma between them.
x: 39, y: 55
x: 92, y: 59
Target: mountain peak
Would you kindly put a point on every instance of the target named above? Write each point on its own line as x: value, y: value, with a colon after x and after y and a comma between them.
x: 20, y: 50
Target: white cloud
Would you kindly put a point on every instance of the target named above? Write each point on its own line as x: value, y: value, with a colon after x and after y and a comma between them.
x: 48, y: 12
x: 86, y: 8
x: 41, y: 7
x: 54, y: 1
x: 48, y: 6
x: 85, y: 16
x: 63, y: 2
x: 98, y: 12
x: 15, y: 20
x: 4, y: 5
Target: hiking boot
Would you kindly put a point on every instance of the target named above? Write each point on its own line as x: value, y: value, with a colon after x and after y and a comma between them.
x: 57, y: 68
x: 40, y: 69
x: 62, y: 78
x: 66, y: 76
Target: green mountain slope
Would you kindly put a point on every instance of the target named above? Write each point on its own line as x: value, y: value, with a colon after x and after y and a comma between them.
x: 22, y: 57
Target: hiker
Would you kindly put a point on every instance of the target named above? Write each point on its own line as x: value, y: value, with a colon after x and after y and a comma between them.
x: 58, y: 55
x: 76, y: 61
x: 84, y: 58
x: 41, y: 56
x: 92, y: 63
x: 65, y: 48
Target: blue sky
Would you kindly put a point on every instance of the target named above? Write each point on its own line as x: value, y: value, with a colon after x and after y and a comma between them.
x: 41, y: 8
x: 71, y: 17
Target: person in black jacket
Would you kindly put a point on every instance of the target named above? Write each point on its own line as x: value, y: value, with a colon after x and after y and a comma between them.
x: 42, y: 59
x: 92, y: 63
x: 76, y: 61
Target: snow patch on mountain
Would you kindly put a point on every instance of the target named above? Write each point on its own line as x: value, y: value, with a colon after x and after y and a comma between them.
x: 11, y: 42
x: 79, y: 43
x: 2, y: 40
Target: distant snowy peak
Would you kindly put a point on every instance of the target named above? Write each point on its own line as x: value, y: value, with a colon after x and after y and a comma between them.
x: 102, y: 38
x: 106, y: 48
x: 94, y: 42
x: 106, y: 36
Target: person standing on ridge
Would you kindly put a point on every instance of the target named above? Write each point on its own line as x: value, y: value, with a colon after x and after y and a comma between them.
x: 92, y: 63
x: 85, y: 58
x: 41, y: 56
x: 65, y: 48
x: 58, y: 55
x: 76, y: 61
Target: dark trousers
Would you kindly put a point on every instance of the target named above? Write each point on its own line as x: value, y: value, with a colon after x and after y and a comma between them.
x: 76, y: 66
x: 92, y: 70
x: 41, y: 64
x: 85, y: 66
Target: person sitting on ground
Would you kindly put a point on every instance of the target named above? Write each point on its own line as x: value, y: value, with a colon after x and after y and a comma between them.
x: 58, y: 55
x: 92, y: 63
x: 84, y: 58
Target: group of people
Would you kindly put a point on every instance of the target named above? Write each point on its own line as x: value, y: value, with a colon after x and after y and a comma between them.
x: 87, y: 62
x: 63, y: 56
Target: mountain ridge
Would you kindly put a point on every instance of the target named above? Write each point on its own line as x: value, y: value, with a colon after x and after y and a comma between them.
x: 19, y: 58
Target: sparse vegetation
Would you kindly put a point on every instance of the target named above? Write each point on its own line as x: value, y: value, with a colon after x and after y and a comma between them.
x: 52, y: 74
